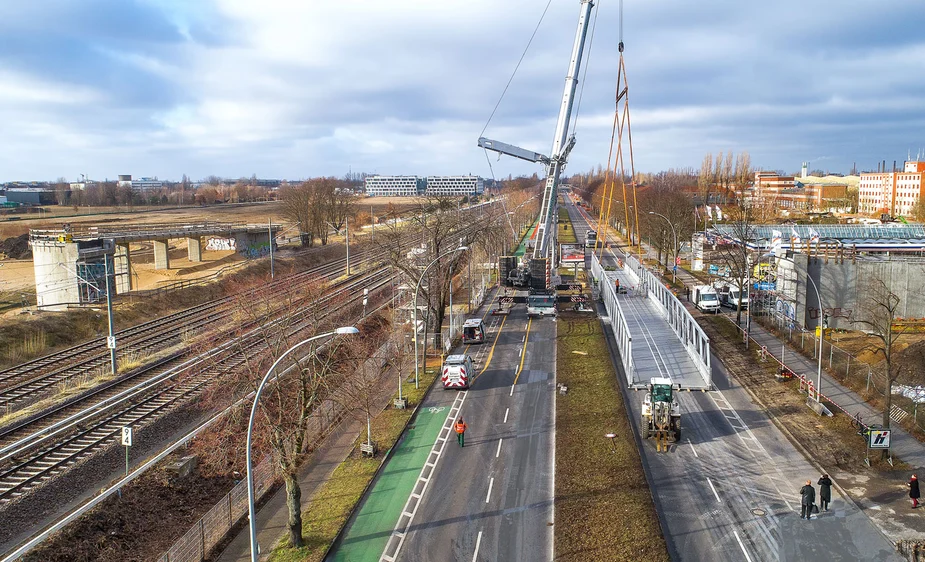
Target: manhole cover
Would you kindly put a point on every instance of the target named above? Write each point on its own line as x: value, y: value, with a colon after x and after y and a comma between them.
x: 758, y: 511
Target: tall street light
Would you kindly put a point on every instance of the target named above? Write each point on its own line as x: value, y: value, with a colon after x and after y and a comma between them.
x: 821, y: 330
x: 414, y: 309
x: 250, y: 429
x: 674, y: 266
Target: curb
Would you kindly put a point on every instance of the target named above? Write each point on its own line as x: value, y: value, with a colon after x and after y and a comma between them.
x: 797, y: 445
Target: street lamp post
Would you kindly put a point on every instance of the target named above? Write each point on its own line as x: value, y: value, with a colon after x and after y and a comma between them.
x: 821, y: 330
x: 674, y: 266
x: 414, y: 309
x: 250, y: 428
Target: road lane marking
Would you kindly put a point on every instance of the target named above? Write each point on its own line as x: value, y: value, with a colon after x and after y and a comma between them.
x: 710, y: 482
x: 692, y: 447
x: 407, y: 517
x: 499, y: 448
x: 512, y: 391
x: 523, y: 354
x: 490, y: 484
x: 491, y: 353
x: 506, y: 411
x: 742, y: 546
x: 478, y: 542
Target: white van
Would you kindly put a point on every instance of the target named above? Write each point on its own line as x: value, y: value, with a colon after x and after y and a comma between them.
x: 457, y: 371
x: 473, y: 331
x: 705, y: 298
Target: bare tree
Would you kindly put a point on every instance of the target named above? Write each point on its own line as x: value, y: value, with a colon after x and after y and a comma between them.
x: 878, y: 312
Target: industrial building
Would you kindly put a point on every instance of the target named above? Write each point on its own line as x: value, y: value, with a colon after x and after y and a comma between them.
x: 895, y: 193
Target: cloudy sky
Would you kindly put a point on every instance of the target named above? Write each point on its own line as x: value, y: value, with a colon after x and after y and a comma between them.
x: 302, y: 88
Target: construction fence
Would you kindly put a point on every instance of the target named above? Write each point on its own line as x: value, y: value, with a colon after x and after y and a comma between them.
x: 861, y: 377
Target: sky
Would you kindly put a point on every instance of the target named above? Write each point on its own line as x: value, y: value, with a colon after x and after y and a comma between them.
x: 306, y: 88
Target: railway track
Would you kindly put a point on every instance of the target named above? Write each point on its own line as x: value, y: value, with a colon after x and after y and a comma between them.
x: 29, y: 382
x: 67, y: 438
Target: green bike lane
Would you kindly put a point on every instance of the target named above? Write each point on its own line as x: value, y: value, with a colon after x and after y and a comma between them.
x: 367, y: 536
x: 530, y: 235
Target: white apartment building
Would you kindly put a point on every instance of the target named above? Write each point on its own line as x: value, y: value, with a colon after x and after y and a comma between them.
x: 455, y: 185
x: 394, y: 186
x: 895, y: 193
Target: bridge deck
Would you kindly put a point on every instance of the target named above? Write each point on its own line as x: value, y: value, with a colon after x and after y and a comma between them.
x: 657, y: 351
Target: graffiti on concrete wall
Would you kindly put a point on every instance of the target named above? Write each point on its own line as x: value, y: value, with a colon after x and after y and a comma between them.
x: 256, y: 250
x: 785, y: 309
x: 220, y: 244
x: 830, y: 312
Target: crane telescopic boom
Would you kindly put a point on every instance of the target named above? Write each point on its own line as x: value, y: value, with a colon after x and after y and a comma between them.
x: 562, y: 144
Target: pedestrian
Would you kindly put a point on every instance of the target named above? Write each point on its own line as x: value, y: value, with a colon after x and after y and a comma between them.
x: 825, y: 491
x: 687, y: 291
x: 808, y: 499
x: 914, y: 491
x: 461, y: 432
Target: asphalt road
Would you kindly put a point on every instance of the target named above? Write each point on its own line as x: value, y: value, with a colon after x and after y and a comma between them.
x: 493, y: 499
x: 729, y: 490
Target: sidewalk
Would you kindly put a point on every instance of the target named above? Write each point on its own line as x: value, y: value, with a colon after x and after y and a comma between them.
x: 273, y: 516
x: 882, y: 496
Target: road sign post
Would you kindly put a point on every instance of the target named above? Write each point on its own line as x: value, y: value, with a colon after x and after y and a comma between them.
x: 127, y: 442
x: 878, y: 439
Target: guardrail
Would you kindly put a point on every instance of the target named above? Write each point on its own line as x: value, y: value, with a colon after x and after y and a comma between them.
x: 618, y: 324
x: 685, y: 327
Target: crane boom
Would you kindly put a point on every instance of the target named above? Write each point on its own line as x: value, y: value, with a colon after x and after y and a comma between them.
x: 561, y: 143
x: 511, y: 150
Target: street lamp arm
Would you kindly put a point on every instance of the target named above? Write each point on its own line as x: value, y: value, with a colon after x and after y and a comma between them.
x: 250, y: 428
x: 414, y: 308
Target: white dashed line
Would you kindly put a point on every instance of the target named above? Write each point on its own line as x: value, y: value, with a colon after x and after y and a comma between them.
x: 512, y: 390
x: 692, y: 448
x: 499, y: 448
x: 710, y: 482
x: 742, y: 546
x: 505, y: 415
x: 490, y: 484
x: 478, y: 542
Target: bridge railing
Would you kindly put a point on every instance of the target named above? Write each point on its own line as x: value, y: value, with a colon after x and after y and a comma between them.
x: 685, y: 327
x: 618, y: 324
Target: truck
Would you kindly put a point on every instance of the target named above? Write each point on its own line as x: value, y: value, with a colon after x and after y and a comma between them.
x: 591, y: 239
x: 473, y: 331
x: 457, y: 371
x: 540, y: 305
x: 729, y: 295
x: 705, y: 298
x: 661, y: 413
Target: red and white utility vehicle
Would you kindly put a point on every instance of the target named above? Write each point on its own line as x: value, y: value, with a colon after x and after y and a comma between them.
x: 457, y: 371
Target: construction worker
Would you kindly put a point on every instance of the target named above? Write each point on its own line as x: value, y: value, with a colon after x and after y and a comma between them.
x: 461, y: 432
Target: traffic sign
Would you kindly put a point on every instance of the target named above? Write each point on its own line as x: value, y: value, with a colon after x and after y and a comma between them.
x: 111, y: 342
x: 677, y: 260
x: 127, y: 436
x: 880, y: 439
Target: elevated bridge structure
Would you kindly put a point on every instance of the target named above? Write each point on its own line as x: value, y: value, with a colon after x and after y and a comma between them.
x: 73, y: 265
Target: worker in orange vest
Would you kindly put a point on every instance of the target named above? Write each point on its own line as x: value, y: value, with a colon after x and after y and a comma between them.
x: 461, y: 432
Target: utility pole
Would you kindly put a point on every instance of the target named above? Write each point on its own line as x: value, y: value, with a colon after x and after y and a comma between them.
x: 347, y: 238
x: 111, y: 340
x: 270, y: 231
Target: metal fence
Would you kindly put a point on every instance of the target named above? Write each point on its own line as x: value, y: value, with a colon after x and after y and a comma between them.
x: 618, y: 324
x: 868, y: 381
x: 682, y: 323
x: 198, y: 542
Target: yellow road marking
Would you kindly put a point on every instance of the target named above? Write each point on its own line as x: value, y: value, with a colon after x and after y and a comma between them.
x: 523, y: 354
x: 492, y: 352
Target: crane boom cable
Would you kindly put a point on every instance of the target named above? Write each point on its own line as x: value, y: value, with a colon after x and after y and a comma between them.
x: 602, y: 223
x: 511, y: 79
x: 584, y: 76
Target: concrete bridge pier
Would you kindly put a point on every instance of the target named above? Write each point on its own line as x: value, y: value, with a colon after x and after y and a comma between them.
x: 161, y: 255
x: 123, y: 269
x: 194, y: 248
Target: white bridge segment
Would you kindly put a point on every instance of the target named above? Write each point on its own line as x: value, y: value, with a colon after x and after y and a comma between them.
x: 648, y: 341
x: 685, y: 327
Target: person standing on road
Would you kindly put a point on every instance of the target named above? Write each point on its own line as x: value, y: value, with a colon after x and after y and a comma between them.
x: 461, y: 432
x: 914, y: 490
x: 808, y: 494
x: 825, y: 491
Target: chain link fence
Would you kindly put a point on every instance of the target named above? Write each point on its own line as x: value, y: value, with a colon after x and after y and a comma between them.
x: 869, y: 382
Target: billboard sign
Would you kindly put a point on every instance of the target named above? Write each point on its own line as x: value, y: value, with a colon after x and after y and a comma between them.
x: 571, y: 253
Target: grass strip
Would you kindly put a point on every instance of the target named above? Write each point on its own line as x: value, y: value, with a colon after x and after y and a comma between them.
x: 604, y: 509
x: 328, y: 511
x: 566, y: 230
